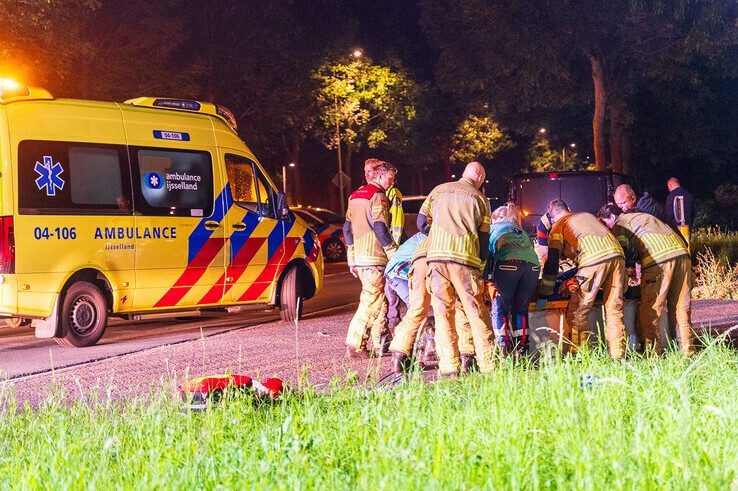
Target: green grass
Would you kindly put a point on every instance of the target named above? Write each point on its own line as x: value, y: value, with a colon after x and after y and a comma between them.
x: 648, y: 423
x: 724, y: 245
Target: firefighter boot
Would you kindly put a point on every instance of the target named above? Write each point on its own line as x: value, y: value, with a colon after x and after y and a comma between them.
x: 429, y: 353
x: 400, y: 363
x: 352, y: 354
x: 468, y: 363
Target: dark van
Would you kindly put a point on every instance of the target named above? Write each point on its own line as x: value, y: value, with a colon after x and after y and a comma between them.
x: 581, y: 190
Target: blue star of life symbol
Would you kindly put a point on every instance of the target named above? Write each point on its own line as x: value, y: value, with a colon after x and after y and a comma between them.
x: 49, y: 176
x: 154, y: 180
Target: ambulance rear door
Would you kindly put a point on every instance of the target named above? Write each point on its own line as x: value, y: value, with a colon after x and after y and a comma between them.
x: 180, y: 204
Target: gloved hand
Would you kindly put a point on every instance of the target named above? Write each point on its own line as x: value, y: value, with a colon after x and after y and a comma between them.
x: 491, y: 290
x: 350, y: 254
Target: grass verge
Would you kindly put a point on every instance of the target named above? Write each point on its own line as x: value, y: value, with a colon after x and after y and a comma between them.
x: 648, y: 423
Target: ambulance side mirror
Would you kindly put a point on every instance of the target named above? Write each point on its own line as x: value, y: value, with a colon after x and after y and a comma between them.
x: 283, y: 208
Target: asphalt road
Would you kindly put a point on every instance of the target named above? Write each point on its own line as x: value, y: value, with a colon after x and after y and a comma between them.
x: 21, y: 353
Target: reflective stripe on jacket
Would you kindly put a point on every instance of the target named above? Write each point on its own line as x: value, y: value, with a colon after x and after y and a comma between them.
x: 397, y: 215
x: 647, y: 240
x: 367, y: 205
x: 457, y: 212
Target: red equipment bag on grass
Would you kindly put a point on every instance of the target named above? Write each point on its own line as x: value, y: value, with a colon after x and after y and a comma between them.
x: 198, y: 392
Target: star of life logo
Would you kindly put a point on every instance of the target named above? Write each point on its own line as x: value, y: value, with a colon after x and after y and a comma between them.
x: 49, y: 175
x: 154, y: 181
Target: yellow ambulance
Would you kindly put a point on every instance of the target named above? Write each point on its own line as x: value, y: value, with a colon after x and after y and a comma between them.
x: 148, y: 206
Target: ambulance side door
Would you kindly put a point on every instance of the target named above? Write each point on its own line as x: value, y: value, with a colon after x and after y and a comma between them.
x: 256, y: 235
x: 180, y: 204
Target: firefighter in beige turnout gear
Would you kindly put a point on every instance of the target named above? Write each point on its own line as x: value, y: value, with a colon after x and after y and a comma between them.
x: 601, y: 264
x: 666, y: 274
x: 456, y: 217
x: 369, y: 244
x: 416, y: 316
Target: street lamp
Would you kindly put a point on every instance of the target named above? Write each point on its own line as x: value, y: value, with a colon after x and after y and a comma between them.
x: 542, y: 131
x: 357, y: 53
x: 563, y: 152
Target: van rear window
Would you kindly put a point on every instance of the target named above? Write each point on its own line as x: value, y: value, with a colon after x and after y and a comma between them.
x: 73, y: 178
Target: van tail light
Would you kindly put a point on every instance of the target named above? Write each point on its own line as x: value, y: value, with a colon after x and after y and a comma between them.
x: 7, y: 246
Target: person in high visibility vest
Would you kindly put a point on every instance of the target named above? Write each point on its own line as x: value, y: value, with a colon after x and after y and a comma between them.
x: 666, y: 274
x: 397, y: 221
x: 456, y: 216
x: 601, y: 264
x: 369, y: 246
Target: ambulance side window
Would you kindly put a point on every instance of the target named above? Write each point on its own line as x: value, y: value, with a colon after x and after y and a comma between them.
x: 72, y: 178
x: 173, y: 182
x: 248, y: 187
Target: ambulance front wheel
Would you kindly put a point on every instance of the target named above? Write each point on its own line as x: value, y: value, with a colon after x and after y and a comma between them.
x: 83, y: 316
x: 290, y: 303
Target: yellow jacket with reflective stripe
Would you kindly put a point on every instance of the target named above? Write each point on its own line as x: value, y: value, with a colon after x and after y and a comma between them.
x: 647, y: 240
x: 397, y: 215
x: 457, y: 212
x: 367, y: 205
x: 582, y: 238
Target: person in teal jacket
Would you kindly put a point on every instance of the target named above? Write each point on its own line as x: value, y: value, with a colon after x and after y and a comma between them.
x: 513, y: 270
x: 396, y: 277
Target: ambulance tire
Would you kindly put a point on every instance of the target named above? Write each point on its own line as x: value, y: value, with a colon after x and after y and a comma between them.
x: 289, y: 293
x: 83, y: 316
x: 334, y: 250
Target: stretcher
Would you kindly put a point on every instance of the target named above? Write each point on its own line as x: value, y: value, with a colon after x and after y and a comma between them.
x: 548, y: 323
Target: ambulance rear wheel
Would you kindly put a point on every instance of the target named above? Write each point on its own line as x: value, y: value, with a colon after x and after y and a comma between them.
x: 290, y: 303
x: 84, y: 315
x: 334, y: 250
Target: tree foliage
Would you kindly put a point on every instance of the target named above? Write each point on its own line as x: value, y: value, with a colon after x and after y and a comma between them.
x: 370, y: 104
x: 478, y: 137
x: 524, y: 56
x: 40, y: 38
x: 542, y: 158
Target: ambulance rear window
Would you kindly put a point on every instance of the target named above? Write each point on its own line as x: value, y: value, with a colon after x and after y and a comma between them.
x: 73, y: 178
x: 173, y: 182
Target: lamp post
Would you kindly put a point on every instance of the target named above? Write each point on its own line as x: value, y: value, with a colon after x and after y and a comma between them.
x: 356, y: 54
x: 284, y: 176
x: 563, y: 152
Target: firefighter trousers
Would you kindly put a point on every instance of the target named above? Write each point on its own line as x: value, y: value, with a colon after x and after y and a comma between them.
x: 371, y: 315
x: 417, y: 310
x: 449, y: 282
x: 666, y: 286
x: 610, y: 276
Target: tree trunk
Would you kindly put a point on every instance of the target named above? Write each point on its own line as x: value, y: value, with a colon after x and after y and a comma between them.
x: 347, y: 167
x: 616, y: 137
x: 598, y: 120
x: 626, y: 152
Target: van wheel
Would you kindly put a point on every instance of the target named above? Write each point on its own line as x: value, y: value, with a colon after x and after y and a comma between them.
x: 288, y: 295
x: 334, y: 250
x: 84, y: 315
